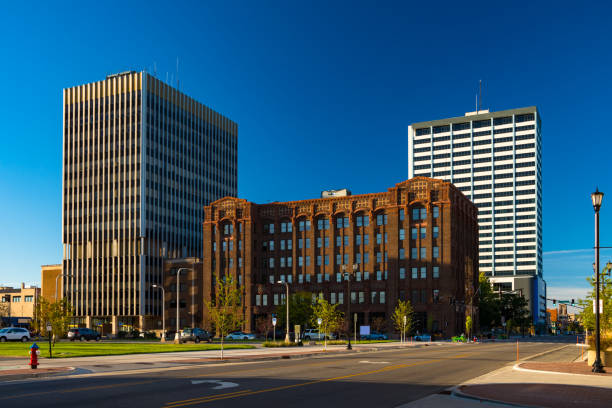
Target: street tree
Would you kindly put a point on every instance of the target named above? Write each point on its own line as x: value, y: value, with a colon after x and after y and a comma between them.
x: 4, y: 312
x: 605, y: 319
x: 225, y: 309
x: 402, y: 317
x: 57, y: 314
x: 300, y: 310
x: 331, y: 318
x: 489, y: 303
x: 468, y: 326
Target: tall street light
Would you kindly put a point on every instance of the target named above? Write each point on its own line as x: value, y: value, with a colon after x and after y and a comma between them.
x: 177, y: 336
x: 163, y: 337
x: 287, y: 340
x: 347, y: 276
x: 597, y: 197
x: 56, y: 278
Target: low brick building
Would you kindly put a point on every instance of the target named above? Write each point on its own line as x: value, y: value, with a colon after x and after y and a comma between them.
x: 418, y: 241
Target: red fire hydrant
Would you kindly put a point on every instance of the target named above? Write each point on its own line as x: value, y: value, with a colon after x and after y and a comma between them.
x: 34, y: 353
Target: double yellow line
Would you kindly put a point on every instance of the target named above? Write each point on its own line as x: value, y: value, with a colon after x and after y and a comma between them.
x: 245, y: 393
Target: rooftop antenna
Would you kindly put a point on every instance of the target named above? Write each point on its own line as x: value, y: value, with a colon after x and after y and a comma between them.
x: 479, y: 94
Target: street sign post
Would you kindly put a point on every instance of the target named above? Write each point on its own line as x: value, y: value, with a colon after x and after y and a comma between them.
x: 274, y: 329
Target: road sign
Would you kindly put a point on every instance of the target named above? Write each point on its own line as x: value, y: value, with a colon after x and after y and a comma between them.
x: 49, y: 328
x: 364, y: 330
x: 274, y: 321
x: 600, y: 306
x: 319, y: 321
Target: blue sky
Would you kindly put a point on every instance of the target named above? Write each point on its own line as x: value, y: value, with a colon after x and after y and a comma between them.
x: 323, y: 94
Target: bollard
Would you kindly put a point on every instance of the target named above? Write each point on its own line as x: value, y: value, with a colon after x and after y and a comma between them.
x: 517, y: 352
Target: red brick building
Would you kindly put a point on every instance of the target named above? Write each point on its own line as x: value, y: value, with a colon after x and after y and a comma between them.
x: 418, y: 241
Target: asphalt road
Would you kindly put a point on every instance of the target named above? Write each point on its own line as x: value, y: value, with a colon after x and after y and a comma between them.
x: 368, y: 379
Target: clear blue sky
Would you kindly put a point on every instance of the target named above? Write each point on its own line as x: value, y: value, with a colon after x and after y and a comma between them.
x: 323, y: 95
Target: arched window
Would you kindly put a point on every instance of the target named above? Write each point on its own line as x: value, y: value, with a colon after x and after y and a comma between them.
x: 419, y: 213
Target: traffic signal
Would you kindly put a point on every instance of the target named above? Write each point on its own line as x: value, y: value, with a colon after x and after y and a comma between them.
x: 573, y: 302
x: 554, y: 302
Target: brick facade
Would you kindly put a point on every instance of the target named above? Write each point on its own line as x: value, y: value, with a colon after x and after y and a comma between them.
x: 306, y: 243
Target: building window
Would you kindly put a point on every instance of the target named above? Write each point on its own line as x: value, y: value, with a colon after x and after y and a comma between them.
x: 341, y: 298
x: 435, y: 232
x: 366, y: 275
x: 436, y: 295
x: 300, y: 243
x: 304, y: 225
x: 319, y: 278
x: 401, y: 215
x: 363, y: 220
x: 419, y: 213
x: 338, y: 240
x: 436, y: 252
x: 276, y: 299
x: 346, y: 240
x: 366, y: 258
x: 358, y: 258
x: 358, y: 276
x: 402, y: 273
x: 326, y: 259
x: 342, y: 222
x: 307, y: 242
x: 414, y: 253
x: 423, y: 252
x: 271, y: 245
x: 265, y: 300
x: 378, y: 275
x: 333, y: 298
x: 300, y: 278
x: 353, y: 297
x: 326, y: 242
x: 381, y: 219
x: 402, y: 254
x: 373, y: 297
x: 271, y: 263
x: 308, y: 261
x: 338, y: 277
x: 338, y: 259
x: 319, y: 242
x: 379, y: 257
x: 28, y: 298
x: 423, y: 272
x: 257, y: 300
x: 361, y: 297
x: 382, y: 298
x: 366, y: 239
x: 16, y: 299
x: 271, y: 278
x: 322, y: 224
x: 379, y: 238
x: 289, y: 261
x: 286, y: 227
x: 402, y: 234
x: 423, y: 232
x: 300, y: 261
x: 436, y: 211
x: 414, y: 232
x: 346, y: 259
x: 308, y: 278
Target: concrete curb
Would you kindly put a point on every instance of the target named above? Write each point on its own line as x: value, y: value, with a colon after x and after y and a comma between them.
x: 529, y: 370
x: 459, y: 394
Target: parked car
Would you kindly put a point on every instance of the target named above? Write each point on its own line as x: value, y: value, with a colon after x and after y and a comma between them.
x: 422, y: 337
x: 313, y: 334
x: 238, y: 335
x: 83, y: 333
x: 375, y: 336
x: 277, y: 334
x: 196, y: 335
x: 14, y: 333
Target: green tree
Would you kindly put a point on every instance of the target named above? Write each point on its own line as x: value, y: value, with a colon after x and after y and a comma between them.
x: 403, y: 310
x: 605, y: 318
x: 57, y: 314
x: 489, y: 304
x: 514, y: 308
x: 300, y: 310
x: 331, y: 319
x: 468, y: 326
x: 225, y: 309
x: 4, y: 311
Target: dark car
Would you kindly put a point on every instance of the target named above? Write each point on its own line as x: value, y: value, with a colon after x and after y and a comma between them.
x: 196, y: 335
x: 83, y: 333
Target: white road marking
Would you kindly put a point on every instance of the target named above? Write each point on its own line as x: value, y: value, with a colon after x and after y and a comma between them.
x: 222, y: 384
x: 374, y: 362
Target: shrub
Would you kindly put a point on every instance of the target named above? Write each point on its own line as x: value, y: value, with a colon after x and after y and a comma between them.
x: 605, y: 341
x: 281, y: 344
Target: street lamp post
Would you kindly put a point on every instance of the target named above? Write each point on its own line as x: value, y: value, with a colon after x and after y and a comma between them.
x: 56, y: 278
x: 177, y: 336
x: 163, y: 337
x: 596, y: 198
x: 287, y: 339
x: 348, y: 296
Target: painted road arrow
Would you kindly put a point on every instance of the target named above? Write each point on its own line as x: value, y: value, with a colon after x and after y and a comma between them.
x: 222, y: 384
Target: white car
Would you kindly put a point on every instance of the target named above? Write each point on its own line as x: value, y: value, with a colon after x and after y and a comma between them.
x: 14, y: 333
x: 240, y: 336
x: 313, y: 334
